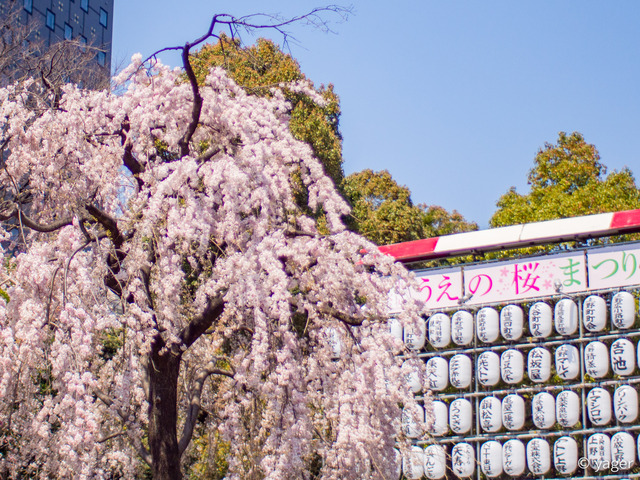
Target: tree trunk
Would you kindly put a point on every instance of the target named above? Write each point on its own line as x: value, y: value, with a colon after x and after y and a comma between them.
x: 163, y: 370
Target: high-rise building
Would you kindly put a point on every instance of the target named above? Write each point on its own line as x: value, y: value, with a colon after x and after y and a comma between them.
x: 50, y: 21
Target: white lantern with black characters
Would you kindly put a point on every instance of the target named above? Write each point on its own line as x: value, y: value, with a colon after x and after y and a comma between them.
x: 460, y: 416
x: 567, y: 362
x: 511, y: 322
x: 463, y: 460
x: 566, y: 317
x: 513, y: 458
x: 538, y: 456
x: 435, y: 462
x: 462, y: 328
x: 565, y: 455
x: 491, y: 459
x: 511, y: 366
x: 594, y: 313
x: 539, y: 365
x: 487, y: 325
x: 599, y: 406
x: 623, y: 310
x: 460, y: 371
x: 439, y: 330
x: 540, y: 324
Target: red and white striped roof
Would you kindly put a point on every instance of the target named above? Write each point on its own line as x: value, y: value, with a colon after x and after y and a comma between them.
x: 516, y: 236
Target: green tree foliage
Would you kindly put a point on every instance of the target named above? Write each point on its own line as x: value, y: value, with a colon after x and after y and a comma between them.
x: 568, y: 180
x: 259, y: 68
x: 384, y: 212
x: 382, y: 209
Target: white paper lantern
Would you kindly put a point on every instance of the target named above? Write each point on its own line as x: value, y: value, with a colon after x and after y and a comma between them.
x: 543, y: 410
x: 398, y: 463
x: 540, y: 320
x: 435, y: 462
x: 539, y: 365
x: 538, y: 456
x: 596, y: 359
x: 567, y: 408
x: 413, y: 421
x: 439, y: 330
x: 440, y: 419
x: 565, y: 455
x: 513, y: 415
x: 490, y: 414
x: 599, y: 451
x: 566, y: 317
x: 460, y: 416
x: 413, y: 371
x: 488, y: 369
x: 487, y: 325
x: 414, y: 334
x: 511, y: 366
x: 463, y: 460
x: 491, y: 459
x: 437, y: 374
x: 567, y: 362
x: 462, y: 327
x: 413, y: 463
x: 513, y: 458
x: 395, y: 328
x: 594, y: 313
x: 335, y: 343
x: 623, y: 450
x: 460, y: 371
x: 625, y: 404
x: 623, y: 357
x: 623, y: 310
x: 511, y: 321
x: 599, y: 406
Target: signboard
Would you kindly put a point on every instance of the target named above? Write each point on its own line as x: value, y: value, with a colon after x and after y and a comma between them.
x: 525, y: 279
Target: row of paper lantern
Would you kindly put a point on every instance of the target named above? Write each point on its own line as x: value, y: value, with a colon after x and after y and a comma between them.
x: 513, y: 458
x: 440, y: 330
x: 510, y: 412
x: 509, y: 366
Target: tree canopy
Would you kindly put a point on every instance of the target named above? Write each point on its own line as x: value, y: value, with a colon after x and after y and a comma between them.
x: 567, y: 180
x: 263, y: 67
x: 161, y: 277
x: 384, y: 212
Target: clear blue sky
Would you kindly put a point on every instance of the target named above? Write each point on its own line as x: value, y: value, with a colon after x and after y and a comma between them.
x: 454, y: 98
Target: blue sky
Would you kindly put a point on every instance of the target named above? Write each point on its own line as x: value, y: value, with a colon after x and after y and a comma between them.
x: 454, y: 98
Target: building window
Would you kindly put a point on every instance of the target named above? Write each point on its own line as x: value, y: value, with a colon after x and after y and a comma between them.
x: 28, y: 5
x: 102, y: 58
x: 84, y: 5
x: 68, y: 31
x: 51, y: 20
x: 104, y: 17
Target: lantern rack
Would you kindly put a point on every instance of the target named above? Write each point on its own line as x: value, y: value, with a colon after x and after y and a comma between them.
x: 476, y: 436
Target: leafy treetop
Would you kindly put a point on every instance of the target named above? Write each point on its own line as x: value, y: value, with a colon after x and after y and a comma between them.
x: 384, y: 212
x: 263, y: 67
x: 568, y: 180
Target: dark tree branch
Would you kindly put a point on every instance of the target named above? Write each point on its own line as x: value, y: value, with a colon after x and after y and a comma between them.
x: 39, y: 227
x: 199, y: 325
x: 108, y: 223
x: 194, y: 403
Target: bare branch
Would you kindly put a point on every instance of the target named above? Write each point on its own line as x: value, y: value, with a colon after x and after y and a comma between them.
x: 135, y: 442
x: 194, y: 403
